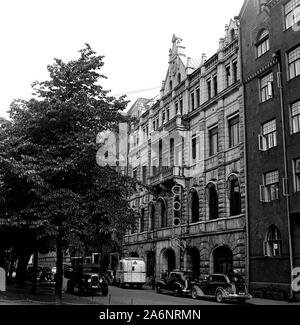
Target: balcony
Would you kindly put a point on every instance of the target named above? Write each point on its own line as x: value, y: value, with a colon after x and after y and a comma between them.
x: 165, y: 174
x: 236, y: 223
x: 231, y: 48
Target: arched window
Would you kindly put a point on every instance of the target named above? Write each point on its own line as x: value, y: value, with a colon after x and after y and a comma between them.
x: 195, y: 206
x: 151, y: 216
x: 273, y: 242
x: 142, y: 224
x: 213, y: 202
x: 263, y: 42
x: 163, y: 214
x: 235, y: 197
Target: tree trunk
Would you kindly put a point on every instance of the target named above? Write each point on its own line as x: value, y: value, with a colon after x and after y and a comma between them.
x: 59, y: 266
x: 35, y: 273
x: 22, y: 267
x: 11, y: 266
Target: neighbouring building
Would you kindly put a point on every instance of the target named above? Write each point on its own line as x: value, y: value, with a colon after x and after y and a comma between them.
x: 188, y: 148
x: 270, y: 51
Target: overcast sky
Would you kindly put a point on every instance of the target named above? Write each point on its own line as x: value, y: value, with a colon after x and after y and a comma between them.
x: 133, y: 35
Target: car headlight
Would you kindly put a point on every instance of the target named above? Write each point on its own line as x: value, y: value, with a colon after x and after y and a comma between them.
x: 101, y: 280
x: 89, y: 280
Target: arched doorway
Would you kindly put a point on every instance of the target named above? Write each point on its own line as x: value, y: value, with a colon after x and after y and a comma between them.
x: 134, y: 254
x: 192, y: 261
x: 168, y: 260
x: 222, y: 260
x: 150, y: 265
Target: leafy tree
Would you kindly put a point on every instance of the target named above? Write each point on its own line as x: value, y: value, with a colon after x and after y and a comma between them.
x: 50, y: 183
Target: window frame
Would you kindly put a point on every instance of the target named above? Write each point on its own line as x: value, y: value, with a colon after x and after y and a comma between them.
x: 231, y: 125
x: 264, y: 89
x: 286, y: 14
x: 213, y: 131
x: 295, y: 63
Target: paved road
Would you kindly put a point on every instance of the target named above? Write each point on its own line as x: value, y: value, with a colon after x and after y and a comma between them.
x: 127, y: 296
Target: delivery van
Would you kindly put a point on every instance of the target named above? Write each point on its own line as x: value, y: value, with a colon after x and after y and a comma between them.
x: 131, y: 271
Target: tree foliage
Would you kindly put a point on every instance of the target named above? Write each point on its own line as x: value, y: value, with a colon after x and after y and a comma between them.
x: 49, y: 178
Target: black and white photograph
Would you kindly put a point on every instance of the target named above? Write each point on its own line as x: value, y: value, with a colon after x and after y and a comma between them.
x: 149, y: 158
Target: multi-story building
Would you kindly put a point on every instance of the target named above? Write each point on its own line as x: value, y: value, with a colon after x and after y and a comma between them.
x: 270, y: 51
x: 188, y: 148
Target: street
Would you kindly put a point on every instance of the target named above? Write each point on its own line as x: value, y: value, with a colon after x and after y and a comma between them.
x: 146, y: 296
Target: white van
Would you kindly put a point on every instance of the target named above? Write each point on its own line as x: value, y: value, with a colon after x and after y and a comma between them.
x: 131, y: 271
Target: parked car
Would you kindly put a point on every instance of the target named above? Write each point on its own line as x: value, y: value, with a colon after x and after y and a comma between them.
x: 179, y: 282
x: 131, y: 271
x: 85, y: 278
x: 222, y: 287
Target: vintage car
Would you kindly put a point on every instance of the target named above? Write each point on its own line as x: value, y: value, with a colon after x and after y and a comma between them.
x: 222, y: 287
x: 180, y: 283
x: 85, y: 278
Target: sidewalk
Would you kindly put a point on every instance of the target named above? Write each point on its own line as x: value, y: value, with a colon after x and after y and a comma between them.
x: 260, y: 301
x: 44, y: 296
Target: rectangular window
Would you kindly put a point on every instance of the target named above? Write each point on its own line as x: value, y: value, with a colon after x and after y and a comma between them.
x: 292, y: 15
x: 227, y: 69
x: 197, y: 97
x: 266, y: 87
x: 215, y: 79
x: 213, y: 141
x: 193, y: 100
x: 154, y: 125
x: 268, y: 139
x: 234, y: 131
x: 270, y: 190
x: 181, y: 106
x: 172, y: 152
x: 145, y: 174
x: 134, y: 173
x: 208, y: 82
x: 168, y: 114
x: 235, y: 71
x: 297, y: 174
x: 194, y: 148
x: 163, y: 117
x: 294, y: 62
x: 295, y: 116
x: 176, y: 108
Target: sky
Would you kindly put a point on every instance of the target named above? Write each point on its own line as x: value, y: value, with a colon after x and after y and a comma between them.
x: 133, y: 35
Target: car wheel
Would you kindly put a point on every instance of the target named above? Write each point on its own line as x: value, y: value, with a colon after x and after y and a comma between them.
x: 242, y: 301
x: 194, y: 293
x: 177, y: 292
x: 219, y: 296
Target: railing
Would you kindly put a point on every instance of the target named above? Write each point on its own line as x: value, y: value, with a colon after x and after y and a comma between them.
x: 210, y: 63
x: 165, y: 173
x: 230, y: 48
x: 202, y: 227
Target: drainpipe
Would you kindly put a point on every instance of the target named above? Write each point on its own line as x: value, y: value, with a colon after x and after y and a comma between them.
x: 245, y: 158
x: 285, y: 159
